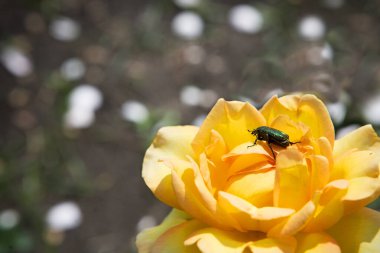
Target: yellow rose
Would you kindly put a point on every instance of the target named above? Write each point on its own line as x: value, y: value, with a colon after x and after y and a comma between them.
x: 230, y: 196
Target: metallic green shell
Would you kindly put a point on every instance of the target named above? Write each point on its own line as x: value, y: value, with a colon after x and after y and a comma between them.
x: 273, y: 133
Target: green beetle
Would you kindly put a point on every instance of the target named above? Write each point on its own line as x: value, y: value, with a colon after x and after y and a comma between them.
x: 271, y: 136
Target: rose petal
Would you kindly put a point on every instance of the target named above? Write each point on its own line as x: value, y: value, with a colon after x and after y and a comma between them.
x: 231, y: 120
x: 205, y: 171
x: 217, y: 147
x: 369, y: 248
x: 361, y: 192
x: 213, y: 162
x: 191, y: 201
x: 316, y: 243
x: 256, y: 188
x: 169, y: 150
x: 358, y: 163
x: 295, y: 223
x: 212, y: 240
x: 246, y: 149
x: 325, y: 149
x: 195, y: 198
x: 320, y: 172
x: 358, y: 232
x: 292, y: 183
x: 172, y: 241
x: 307, y: 109
x: 360, y: 139
x: 329, y: 206
x: 200, y: 187
x: 245, y: 159
x: 295, y: 130
x: 250, y: 217
x: 274, y: 245
x: 146, y: 239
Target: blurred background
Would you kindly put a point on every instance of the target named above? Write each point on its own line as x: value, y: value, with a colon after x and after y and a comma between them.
x: 85, y: 84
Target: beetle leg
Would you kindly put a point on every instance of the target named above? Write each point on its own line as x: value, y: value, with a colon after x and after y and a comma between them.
x: 271, y: 149
x: 253, y: 144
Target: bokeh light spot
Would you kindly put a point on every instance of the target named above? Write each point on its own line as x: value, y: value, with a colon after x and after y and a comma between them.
x: 337, y: 111
x: 64, y: 216
x: 245, y: 18
x: 187, y: 3
x: 86, y: 96
x: 191, y: 95
x: 371, y: 110
x: 9, y: 219
x: 16, y: 62
x: 73, y: 69
x: 311, y: 28
x: 188, y: 25
x: 134, y: 111
x: 83, y: 101
x: 65, y: 29
x: 145, y: 222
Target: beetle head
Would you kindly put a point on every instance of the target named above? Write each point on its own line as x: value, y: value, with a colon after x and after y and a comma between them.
x: 254, y: 132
